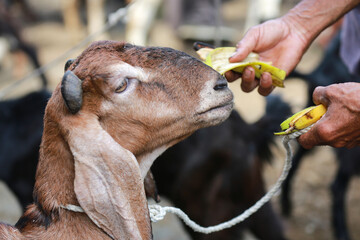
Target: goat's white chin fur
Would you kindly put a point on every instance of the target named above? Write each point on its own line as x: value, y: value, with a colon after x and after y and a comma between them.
x: 216, y: 115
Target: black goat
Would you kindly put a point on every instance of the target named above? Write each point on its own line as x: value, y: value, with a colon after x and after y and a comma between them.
x: 331, y: 70
x: 216, y: 174
x: 21, y: 126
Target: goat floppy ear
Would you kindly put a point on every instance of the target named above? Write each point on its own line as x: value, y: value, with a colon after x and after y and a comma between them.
x: 71, y: 91
x: 108, y: 182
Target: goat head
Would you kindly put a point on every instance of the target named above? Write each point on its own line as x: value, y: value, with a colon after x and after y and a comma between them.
x: 122, y: 106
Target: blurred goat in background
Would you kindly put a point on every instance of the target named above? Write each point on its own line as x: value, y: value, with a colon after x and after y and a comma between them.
x: 216, y: 174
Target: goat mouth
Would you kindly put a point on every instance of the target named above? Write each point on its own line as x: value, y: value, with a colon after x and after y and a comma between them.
x: 225, y: 106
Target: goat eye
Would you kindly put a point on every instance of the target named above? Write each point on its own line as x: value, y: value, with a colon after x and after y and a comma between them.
x: 122, y: 87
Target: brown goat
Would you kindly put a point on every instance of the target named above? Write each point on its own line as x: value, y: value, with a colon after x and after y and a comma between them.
x: 118, y: 107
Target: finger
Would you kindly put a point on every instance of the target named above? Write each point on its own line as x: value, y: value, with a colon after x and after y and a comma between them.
x: 309, y: 139
x: 249, y: 82
x: 239, y: 55
x: 231, y: 76
x: 265, y: 85
x: 319, y: 96
x: 322, y: 132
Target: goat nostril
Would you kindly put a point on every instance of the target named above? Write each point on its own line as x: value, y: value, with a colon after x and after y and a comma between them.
x: 221, y: 83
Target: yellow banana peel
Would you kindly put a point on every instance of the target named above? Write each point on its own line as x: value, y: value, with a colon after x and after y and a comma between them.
x: 218, y: 59
x: 302, y: 119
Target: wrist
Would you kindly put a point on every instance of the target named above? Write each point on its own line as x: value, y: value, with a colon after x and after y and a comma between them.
x: 310, y: 17
x: 295, y: 27
x: 306, y: 24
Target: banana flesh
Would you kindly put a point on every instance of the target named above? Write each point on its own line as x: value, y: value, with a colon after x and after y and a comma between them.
x: 302, y: 119
x: 204, y: 52
x: 218, y: 59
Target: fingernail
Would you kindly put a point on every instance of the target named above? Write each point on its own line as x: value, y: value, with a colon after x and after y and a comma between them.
x: 234, y: 53
x: 247, y: 73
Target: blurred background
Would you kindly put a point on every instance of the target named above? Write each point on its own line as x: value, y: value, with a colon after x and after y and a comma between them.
x: 35, y: 33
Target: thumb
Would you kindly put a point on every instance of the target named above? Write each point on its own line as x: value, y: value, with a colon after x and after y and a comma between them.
x: 244, y: 47
x: 320, y: 96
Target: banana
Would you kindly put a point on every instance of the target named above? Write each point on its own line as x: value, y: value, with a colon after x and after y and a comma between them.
x: 204, y: 52
x: 302, y: 119
x: 218, y: 59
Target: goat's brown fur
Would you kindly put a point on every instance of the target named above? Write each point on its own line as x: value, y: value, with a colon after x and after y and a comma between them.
x: 163, y: 108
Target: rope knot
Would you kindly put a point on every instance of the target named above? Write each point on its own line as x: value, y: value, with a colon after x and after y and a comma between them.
x: 157, y: 213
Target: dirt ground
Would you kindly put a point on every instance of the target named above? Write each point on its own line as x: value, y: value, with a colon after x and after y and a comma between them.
x: 311, y: 197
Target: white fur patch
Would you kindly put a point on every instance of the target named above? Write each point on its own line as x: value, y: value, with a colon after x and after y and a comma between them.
x: 127, y: 70
x: 147, y: 160
x: 207, y: 97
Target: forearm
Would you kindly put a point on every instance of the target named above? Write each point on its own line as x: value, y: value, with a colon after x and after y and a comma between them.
x: 310, y: 17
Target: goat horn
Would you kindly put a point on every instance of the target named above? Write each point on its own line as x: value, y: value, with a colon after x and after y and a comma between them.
x: 71, y: 91
x: 68, y: 63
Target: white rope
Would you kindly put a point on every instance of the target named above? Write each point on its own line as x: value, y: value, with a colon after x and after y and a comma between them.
x: 158, y: 212
x: 113, y: 19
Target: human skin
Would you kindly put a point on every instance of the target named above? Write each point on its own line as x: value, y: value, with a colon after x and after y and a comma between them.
x: 283, y: 41
x: 340, y: 126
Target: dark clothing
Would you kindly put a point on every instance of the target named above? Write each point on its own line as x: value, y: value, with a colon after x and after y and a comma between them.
x: 350, y: 41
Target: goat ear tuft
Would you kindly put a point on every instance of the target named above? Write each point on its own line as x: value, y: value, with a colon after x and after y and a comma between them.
x: 71, y: 91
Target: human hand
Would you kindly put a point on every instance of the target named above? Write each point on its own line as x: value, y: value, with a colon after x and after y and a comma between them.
x: 340, y: 126
x: 277, y: 41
